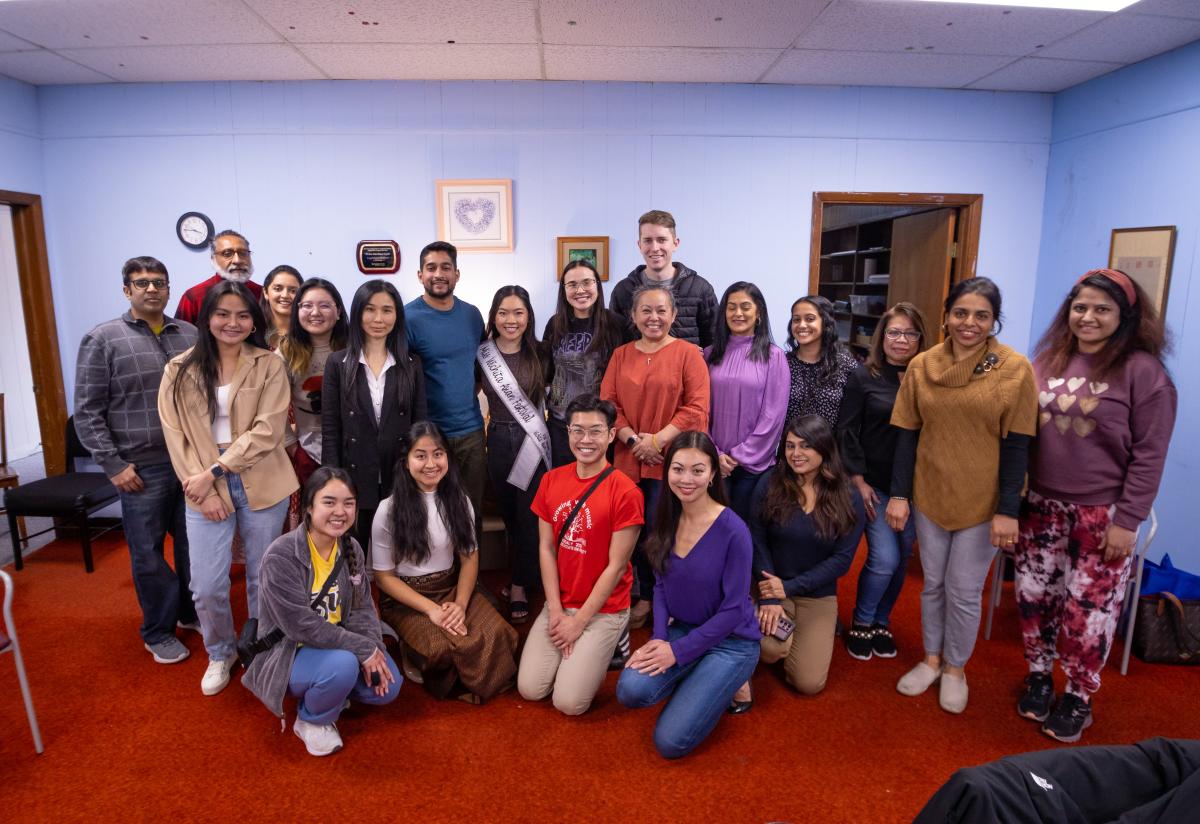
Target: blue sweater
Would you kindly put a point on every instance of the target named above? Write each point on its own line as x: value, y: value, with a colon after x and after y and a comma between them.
x: 447, y: 342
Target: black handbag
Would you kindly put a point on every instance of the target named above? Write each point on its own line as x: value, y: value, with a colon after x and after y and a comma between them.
x: 249, y: 645
x: 1167, y: 630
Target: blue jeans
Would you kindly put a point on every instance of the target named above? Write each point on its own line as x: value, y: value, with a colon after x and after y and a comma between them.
x: 147, y: 517
x: 324, y: 678
x: 883, y: 574
x: 699, y: 692
x: 211, y: 554
x: 739, y: 487
x: 643, y: 572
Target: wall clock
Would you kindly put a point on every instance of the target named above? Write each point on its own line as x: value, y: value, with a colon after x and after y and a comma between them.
x: 194, y: 229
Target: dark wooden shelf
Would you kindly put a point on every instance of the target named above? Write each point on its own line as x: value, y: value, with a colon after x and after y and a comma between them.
x: 837, y: 283
x: 846, y: 253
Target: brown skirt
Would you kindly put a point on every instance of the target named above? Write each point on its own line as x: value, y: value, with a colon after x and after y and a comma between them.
x: 483, y: 661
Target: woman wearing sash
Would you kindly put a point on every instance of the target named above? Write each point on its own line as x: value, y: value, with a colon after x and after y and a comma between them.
x: 372, y: 392
x: 518, y: 442
x: 427, y: 570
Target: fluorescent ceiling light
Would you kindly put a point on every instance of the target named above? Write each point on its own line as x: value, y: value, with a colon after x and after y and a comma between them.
x: 1074, y: 5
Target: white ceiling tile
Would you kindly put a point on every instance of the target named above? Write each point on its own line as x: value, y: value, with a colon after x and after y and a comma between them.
x: 45, y: 68
x: 859, y: 25
x: 9, y: 42
x: 1035, y: 74
x: 154, y: 64
x: 66, y: 24
x: 1171, y: 8
x: 743, y: 23
x: 1125, y: 38
x: 462, y: 61
x: 659, y: 65
x: 401, y: 21
x: 845, y: 68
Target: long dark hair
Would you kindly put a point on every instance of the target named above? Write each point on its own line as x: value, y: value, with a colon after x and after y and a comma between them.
x: 876, y: 357
x: 606, y: 331
x: 831, y: 347
x: 316, y: 482
x: 297, y: 347
x: 410, y: 521
x: 531, y: 374
x: 202, y: 363
x: 396, y: 341
x: 760, y: 347
x: 1140, y: 329
x: 666, y: 515
x: 833, y: 513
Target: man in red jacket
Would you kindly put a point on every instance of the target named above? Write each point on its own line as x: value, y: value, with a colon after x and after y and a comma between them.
x: 231, y: 257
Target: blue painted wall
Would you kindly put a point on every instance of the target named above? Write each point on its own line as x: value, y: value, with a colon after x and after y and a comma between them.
x: 1126, y: 152
x: 306, y: 170
x: 20, y: 138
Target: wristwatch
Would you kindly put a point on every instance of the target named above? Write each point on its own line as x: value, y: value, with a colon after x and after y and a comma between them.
x: 631, y: 440
x: 217, y: 471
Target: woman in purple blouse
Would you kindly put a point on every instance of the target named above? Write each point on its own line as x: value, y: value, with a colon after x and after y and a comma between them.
x: 750, y: 382
x: 706, y: 638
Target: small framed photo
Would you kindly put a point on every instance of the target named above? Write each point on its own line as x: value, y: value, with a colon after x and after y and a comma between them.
x: 476, y: 215
x: 592, y: 249
x: 1146, y: 255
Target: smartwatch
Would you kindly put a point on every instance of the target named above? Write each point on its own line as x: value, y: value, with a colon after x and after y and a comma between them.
x: 631, y: 440
x: 217, y: 471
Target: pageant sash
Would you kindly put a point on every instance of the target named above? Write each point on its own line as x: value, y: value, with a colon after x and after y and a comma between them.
x: 536, y: 446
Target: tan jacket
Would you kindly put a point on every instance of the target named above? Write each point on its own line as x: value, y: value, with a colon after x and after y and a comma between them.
x: 258, y: 407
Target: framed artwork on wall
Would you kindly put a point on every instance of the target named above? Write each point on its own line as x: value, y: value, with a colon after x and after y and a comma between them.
x: 1145, y: 254
x: 592, y: 249
x: 476, y: 215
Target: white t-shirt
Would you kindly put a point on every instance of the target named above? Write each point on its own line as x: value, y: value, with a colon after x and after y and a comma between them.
x: 222, y: 432
x: 441, y: 554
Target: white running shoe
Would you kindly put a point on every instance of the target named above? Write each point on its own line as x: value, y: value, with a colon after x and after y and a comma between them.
x: 319, y: 739
x: 216, y: 677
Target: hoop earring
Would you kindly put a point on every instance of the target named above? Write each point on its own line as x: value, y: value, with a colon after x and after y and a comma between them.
x: 253, y: 329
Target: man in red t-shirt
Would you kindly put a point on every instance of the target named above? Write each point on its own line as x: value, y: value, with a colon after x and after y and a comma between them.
x: 587, y: 575
x: 231, y: 256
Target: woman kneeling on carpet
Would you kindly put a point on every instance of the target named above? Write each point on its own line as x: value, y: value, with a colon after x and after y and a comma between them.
x: 807, y: 522
x: 701, y: 553
x: 315, y: 601
x: 426, y: 566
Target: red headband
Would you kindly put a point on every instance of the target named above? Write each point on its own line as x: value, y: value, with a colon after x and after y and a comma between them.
x: 1120, y: 278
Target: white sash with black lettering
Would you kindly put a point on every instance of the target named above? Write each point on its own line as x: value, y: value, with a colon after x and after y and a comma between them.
x: 537, y: 437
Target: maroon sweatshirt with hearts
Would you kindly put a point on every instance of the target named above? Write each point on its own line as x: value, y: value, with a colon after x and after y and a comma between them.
x: 1103, y: 442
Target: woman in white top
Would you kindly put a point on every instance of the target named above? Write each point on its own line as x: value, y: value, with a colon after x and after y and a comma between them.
x: 426, y: 566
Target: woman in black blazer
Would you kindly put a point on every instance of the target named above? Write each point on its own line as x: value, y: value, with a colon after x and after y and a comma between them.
x: 373, y: 392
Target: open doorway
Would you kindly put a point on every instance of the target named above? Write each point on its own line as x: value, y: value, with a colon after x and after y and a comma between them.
x: 873, y: 249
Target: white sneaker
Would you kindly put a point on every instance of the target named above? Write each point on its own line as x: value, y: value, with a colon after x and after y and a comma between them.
x: 319, y: 739
x: 216, y: 677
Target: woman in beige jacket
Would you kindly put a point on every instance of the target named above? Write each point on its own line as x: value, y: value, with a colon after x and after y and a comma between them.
x: 223, y: 405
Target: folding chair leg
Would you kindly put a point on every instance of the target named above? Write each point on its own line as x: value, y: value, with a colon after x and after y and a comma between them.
x: 87, y: 542
x: 17, y: 539
x: 1131, y: 602
x: 997, y: 583
x: 20, y: 662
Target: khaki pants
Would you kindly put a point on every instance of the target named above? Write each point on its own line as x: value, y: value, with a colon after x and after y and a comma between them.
x: 573, y: 680
x: 807, y: 653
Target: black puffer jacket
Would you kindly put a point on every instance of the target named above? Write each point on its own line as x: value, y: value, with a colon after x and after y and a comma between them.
x: 695, y: 304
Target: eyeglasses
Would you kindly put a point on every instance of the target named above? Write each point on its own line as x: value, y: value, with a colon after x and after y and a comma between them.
x: 309, y: 306
x: 910, y: 335
x: 142, y: 284
x: 593, y: 432
x: 230, y: 254
x: 579, y: 285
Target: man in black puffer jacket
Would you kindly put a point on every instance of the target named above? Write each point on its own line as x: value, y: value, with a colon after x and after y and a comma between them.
x: 695, y: 301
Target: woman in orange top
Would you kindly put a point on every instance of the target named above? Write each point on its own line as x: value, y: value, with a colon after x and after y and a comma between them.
x: 660, y: 387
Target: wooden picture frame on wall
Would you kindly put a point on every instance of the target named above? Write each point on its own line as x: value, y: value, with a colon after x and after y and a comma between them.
x: 1146, y: 255
x: 475, y: 215
x: 593, y: 249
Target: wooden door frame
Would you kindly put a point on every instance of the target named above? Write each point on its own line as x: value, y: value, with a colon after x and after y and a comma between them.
x: 970, y: 214
x: 41, y: 331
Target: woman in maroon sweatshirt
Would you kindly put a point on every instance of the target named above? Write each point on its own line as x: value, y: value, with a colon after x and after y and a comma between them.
x: 1107, y: 407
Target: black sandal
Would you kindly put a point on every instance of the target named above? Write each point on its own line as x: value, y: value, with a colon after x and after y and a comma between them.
x: 518, y: 612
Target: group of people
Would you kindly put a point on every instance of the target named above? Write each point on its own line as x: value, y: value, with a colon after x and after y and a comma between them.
x: 659, y: 461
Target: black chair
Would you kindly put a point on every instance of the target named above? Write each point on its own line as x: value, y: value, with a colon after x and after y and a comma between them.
x: 73, y: 496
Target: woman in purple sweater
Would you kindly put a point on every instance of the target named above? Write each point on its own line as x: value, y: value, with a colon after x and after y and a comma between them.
x: 1107, y: 410
x: 701, y: 552
x: 750, y: 382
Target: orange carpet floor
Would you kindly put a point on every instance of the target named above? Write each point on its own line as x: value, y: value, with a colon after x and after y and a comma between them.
x: 130, y: 740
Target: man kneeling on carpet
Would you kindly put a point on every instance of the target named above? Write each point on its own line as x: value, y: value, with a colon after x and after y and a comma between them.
x: 317, y: 624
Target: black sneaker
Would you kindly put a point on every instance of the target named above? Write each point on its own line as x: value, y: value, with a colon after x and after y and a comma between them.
x: 882, y: 642
x: 1039, y: 694
x: 858, y: 642
x: 1070, y: 718
x: 621, y: 652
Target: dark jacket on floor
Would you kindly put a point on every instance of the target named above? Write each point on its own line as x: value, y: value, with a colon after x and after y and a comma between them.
x: 284, y: 601
x: 695, y: 304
